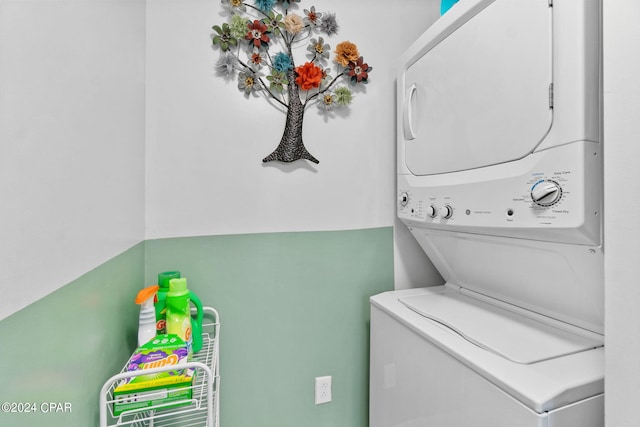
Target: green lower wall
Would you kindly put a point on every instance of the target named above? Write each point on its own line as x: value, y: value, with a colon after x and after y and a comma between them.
x: 293, y: 306
x: 63, y: 347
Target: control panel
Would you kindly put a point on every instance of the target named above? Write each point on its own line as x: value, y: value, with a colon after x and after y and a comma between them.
x: 556, y: 190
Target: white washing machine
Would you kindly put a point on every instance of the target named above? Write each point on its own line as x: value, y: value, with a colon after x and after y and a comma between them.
x: 500, y: 182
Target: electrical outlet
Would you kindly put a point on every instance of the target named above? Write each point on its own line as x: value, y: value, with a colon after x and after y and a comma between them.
x: 323, y: 390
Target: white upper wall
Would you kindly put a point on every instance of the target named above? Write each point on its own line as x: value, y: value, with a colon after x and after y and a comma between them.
x: 72, y: 137
x: 206, y: 141
x: 71, y: 140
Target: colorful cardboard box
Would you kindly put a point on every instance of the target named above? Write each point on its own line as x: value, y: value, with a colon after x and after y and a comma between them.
x: 171, y: 388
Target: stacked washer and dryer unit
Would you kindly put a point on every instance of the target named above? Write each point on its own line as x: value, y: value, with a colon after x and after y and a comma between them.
x: 500, y: 181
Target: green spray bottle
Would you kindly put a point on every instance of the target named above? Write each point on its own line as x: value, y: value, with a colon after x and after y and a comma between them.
x: 179, y: 319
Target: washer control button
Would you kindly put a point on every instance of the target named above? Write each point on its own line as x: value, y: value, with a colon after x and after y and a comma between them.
x: 432, y: 211
x: 403, y: 198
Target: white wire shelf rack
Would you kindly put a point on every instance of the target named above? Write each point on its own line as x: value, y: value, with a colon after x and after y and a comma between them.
x: 201, y: 410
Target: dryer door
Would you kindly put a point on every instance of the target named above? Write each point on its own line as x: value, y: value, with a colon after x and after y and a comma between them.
x: 481, y: 96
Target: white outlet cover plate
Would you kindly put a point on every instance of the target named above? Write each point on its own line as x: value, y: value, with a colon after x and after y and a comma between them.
x: 323, y: 390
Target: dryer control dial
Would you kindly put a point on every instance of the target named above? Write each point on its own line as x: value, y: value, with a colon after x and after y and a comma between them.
x: 546, y: 192
x: 446, y: 211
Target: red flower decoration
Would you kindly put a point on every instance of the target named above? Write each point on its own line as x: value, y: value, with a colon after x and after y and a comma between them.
x: 309, y: 76
x: 258, y: 33
x: 359, y: 71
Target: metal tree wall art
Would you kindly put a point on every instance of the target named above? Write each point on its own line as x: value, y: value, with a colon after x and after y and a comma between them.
x: 257, y: 45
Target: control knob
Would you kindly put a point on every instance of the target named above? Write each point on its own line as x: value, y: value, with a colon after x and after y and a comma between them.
x: 403, y: 198
x: 446, y: 211
x: 546, y: 192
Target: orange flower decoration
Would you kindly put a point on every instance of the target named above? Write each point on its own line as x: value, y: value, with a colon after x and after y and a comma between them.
x: 346, y: 52
x: 309, y: 76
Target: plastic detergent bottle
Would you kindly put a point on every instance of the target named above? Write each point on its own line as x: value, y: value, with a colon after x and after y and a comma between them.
x: 161, y: 300
x: 147, y: 322
x: 196, y: 323
x: 179, y: 320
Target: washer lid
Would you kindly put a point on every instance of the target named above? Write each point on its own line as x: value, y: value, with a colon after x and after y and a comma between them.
x: 480, y: 96
x: 513, y: 336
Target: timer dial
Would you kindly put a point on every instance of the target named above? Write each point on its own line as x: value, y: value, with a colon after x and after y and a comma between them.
x: 546, y: 192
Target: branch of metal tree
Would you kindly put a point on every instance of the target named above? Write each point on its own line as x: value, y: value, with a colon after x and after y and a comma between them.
x: 320, y: 92
x: 262, y: 82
